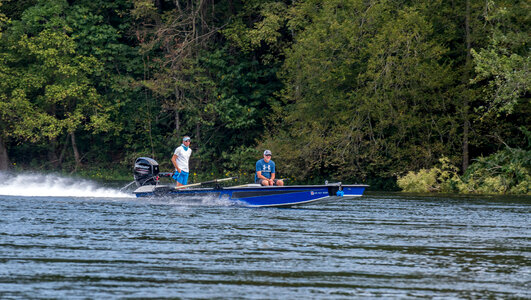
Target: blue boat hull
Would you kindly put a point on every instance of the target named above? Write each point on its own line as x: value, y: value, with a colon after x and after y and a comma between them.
x: 260, y: 196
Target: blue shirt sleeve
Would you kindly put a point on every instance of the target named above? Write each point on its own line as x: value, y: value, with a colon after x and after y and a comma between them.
x: 272, y: 166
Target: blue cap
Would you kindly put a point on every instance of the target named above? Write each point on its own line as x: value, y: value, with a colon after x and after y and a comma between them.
x: 186, y: 138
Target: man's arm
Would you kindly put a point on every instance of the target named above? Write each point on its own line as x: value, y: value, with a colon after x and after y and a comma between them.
x: 174, y: 161
x: 259, y: 175
x: 273, y: 172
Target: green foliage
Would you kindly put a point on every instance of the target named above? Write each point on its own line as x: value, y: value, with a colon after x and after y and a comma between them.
x: 99, y: 172
x: 3, y: 19
x: 419, y: 182
x: 64, y: 72
x: 364, y: 91
x: 46, y: 89
x: 504, y: 172
x: 505, y: 63
x: 240, y: 100
x: 241, y: 159
x: 266, y: 31
x: 442, y: 178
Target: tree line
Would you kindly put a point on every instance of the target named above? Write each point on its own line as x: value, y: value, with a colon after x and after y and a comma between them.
x: 353, y: 90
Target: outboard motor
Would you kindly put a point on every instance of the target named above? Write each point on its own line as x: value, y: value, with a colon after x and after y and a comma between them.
x: 146, y: 171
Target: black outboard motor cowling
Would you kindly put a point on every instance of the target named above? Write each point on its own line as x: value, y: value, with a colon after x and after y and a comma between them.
x: 146, y: 171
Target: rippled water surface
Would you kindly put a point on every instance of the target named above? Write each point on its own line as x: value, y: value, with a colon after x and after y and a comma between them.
x: 380, y: 245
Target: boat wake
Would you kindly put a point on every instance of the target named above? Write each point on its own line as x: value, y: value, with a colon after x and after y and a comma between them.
x: 49, y: 185
x: 206, y: 200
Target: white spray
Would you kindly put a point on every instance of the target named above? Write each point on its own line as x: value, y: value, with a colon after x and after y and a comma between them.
x: 45, y: 185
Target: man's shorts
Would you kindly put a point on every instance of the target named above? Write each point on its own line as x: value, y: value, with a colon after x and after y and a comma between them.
x: 260, y: 181
x: 181, y: 178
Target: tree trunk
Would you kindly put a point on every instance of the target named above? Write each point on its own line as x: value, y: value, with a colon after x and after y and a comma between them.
x: 52, y: 156
x: 177, y: 119
x: 466, y: 78
x: 63, y: 151
x: 466, y: 126
x: 76, y: 152
x: 4, y: 158
x: 177, y: 123
x: 197, y: 133
x: 197, y: 139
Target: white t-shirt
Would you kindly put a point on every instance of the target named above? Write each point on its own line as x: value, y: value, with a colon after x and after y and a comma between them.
x: 182, y: 157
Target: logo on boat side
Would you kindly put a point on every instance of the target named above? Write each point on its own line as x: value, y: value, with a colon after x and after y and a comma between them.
x: 311, y: 193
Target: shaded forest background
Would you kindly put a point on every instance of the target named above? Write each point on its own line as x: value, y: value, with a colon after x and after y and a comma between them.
x: 351, y: 90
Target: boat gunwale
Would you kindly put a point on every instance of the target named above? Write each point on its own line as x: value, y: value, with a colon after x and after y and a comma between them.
x: 174, y: 189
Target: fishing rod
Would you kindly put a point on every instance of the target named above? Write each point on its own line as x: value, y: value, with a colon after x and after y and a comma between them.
x: 206, y: 182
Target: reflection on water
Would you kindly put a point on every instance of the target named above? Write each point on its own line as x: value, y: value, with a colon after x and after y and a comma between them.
x: 380, y: 245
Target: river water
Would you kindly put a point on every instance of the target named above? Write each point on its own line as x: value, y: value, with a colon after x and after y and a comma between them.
x: 57, y: 242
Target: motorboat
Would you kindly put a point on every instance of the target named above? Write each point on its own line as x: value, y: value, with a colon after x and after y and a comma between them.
x: 147, y: 178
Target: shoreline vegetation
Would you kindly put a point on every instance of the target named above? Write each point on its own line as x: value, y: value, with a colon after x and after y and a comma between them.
x: 349, y: 91
x: 505, y: 172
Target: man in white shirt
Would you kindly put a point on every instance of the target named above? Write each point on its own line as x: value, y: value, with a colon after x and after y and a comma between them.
x: 180, y: 158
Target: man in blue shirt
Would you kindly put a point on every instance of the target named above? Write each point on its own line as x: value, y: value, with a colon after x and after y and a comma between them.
x: 265, y: 171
